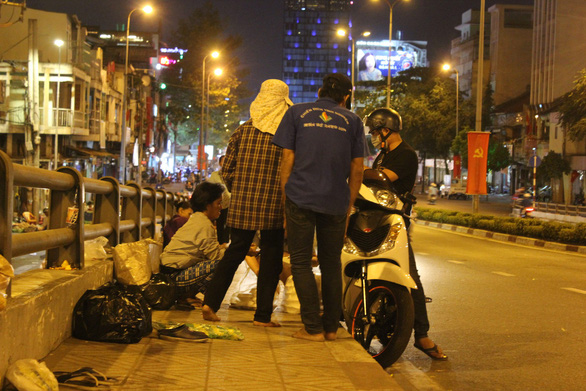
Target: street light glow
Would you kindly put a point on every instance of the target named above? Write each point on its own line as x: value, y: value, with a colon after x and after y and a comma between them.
x: 215, y: 54
x: 58, y: 43
x: 446, y: 67
x: 218, y: 71
x: 147, y: 9
x: 341, y: 32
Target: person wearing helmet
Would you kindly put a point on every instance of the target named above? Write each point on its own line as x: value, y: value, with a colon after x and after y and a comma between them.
x: 398, y: 161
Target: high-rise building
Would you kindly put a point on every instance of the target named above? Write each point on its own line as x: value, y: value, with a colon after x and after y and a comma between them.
x: 311, y: 47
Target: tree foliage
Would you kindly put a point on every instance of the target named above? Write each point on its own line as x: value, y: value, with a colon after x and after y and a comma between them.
x: 553, y: 166
x: 200, y: 33
x: 573, y: 109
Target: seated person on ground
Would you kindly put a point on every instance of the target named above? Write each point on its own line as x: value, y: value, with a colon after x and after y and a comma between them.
x: 193, y: 252
x: 184, y: 211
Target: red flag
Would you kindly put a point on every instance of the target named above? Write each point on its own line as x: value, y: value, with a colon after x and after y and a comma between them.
x: 457, y: 166
x: 477, y: 161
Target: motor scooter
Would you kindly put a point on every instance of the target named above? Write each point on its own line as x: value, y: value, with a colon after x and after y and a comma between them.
x: 377, y: 304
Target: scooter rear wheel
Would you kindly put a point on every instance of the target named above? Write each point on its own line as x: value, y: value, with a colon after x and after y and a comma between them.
x: 391, y: 313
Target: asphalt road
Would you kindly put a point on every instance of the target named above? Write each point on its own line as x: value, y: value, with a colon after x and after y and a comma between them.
x: 509, y: 317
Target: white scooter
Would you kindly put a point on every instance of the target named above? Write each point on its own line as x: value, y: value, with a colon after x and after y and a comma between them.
x: 375, y: 270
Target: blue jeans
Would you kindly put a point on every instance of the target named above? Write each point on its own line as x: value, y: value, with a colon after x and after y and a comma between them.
x: 329, y: 229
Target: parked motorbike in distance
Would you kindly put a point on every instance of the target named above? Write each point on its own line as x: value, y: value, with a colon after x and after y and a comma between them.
x: 377, y: 303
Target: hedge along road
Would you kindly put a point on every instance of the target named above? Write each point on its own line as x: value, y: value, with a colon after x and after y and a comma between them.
x: 493, y: 204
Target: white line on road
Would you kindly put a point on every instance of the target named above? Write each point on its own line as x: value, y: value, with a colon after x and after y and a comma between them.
x: 575, y: 290
x: 504, y: 274
x: 452, y: 261
x: 420, y: 253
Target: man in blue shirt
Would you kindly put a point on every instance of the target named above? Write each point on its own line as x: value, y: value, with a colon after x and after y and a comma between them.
x: 321, y: 172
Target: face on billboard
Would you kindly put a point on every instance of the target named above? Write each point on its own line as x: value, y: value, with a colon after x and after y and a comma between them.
x: 373, y: 61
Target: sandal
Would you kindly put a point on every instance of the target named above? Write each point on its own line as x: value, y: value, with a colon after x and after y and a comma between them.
x: 85, y: 378
x: 432, y: 352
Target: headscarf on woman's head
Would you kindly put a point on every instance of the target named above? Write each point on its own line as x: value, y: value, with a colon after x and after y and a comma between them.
x: 270, y: 105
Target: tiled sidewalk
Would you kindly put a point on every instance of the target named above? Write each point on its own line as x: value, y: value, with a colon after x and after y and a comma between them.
x: 267, y: 359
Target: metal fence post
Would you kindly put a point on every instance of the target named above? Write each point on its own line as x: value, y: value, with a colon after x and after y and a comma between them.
x: 107, y: 210
x: 66, y: 210
x: 6, y: 208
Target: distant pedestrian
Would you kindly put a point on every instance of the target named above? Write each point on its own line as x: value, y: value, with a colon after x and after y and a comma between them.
x: 251, y: 172
x: 321, y: 172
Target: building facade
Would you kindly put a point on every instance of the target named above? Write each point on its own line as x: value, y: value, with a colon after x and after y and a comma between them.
x: 311, y: 47
x: 559, y: 53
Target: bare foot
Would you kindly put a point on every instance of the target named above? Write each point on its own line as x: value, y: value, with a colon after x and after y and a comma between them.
x: 269, y: 324
x: 209, y: 314
x: 331, y: 336
x: 302, y: 334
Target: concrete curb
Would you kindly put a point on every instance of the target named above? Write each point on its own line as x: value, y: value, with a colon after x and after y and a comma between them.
x: 505, y: 237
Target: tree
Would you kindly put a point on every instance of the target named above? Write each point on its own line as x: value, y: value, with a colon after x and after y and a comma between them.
x: 200, y: 33
x: 551, y: 169
x: 573, y: 109
x: 498, y: 156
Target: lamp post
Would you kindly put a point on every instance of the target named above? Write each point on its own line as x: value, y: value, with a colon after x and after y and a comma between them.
x: 217, y: 72
x: 391, y: 5
x: 447, y: 67
x: 342, y: 33
x: 200, y: 147
x: 57, y: 43
x: 147, y: 10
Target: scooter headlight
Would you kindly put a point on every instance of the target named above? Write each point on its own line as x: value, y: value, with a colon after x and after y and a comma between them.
x: 386, y: 198
x: 392, y: 236
x: 350, y: 247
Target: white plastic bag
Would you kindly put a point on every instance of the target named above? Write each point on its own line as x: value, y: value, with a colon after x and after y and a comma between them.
x: 95, y: 248
x: 6, y: 273
x: 31, y: 375
x: 155, y: 250
x: 131, y: 263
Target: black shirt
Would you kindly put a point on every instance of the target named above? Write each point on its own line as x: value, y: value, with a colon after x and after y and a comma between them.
x: 402, y: 161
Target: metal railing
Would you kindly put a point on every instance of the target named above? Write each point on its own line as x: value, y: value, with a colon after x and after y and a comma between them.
x: 561, y: 209
x: 122, y: 213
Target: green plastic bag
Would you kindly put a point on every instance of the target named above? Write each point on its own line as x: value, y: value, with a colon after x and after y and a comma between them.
x: 212, y: 331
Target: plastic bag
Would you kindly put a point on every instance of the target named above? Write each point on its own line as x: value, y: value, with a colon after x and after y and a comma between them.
x: 154, y: 254
x: 112, y: 314
x: 131, y: 263
x: 96, y: 248
x: 6, y: 273
x: 212, y: 331
x: 31, y: 375
x: 160, y: 291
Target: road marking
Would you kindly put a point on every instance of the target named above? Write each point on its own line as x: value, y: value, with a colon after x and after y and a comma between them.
x: 452, y: 261
x: 504, y: 274
x: 419, y: 253
x: 575, y: 290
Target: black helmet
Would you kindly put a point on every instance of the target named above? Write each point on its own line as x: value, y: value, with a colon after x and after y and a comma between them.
x: 384, y: 118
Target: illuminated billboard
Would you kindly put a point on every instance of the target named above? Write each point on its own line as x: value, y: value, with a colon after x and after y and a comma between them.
x: 372, y: 58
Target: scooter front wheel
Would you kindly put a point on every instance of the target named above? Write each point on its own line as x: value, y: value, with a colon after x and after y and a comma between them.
x: 386, y: 332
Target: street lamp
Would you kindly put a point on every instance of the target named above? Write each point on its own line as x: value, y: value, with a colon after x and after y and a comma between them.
x: 147, y: 10
x: 216, y: 72
x: 342, y: 33
x: 200, y: 147
x: 447, y: 67
x: 58, y: 43
x: 391, y: 5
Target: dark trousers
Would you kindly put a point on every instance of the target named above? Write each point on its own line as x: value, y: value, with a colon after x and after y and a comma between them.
x: 301, y: 226
x: 421, y: 324
x: 223, y: 230
x: 271, y: 265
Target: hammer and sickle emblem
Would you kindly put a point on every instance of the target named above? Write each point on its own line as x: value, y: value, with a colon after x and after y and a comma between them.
x: 478, y: 153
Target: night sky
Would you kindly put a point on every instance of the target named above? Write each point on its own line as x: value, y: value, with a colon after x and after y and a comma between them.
x: 259, y: 22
